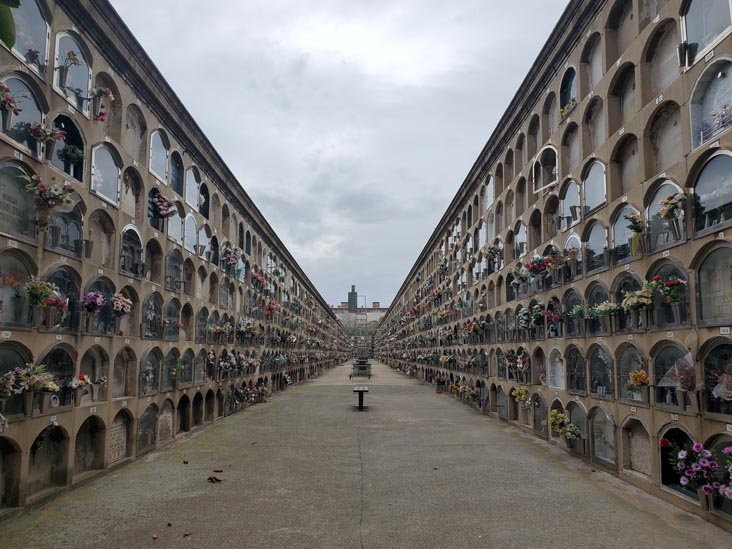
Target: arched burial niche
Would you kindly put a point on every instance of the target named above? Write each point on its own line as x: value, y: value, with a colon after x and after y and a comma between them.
x: 89, y: 445
x: 48, y: 460
x: 636, y: 447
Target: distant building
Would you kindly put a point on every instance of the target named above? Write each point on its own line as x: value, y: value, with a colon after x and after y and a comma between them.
x: 352, y: 300
x: 359, y: 322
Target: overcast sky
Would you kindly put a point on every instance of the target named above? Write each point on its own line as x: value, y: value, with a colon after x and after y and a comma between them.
x: 360, y: 118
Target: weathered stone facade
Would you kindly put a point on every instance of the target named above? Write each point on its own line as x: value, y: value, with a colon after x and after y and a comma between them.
x: 217, y: 301
x: 591, y: 240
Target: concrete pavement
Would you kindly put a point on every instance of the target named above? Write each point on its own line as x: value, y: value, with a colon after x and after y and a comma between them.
x: 306, y: 471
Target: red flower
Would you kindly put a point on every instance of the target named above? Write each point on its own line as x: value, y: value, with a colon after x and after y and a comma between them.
x: 656, y: 278
x: 664, y: 443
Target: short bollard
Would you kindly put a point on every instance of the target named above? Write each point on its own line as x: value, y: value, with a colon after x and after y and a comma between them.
x: 360, y: 389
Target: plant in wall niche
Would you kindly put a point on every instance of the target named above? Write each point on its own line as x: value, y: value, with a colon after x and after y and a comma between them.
x: 121, y: 305
x: 672, y: 206
x: 571, y: 433
x: 578, y: 311
x: 639, y: 299
x: 557, y: 421
x: 635, y: 223
x: 520, y: 275
x: 79, y: 382
x: 36, y: 378
x: 520, y: 394
x: 570, y: 255
x: 71, y: 154
x: 7, y: 101
x: 70, y: 59
x: 524, y: 319
x: 637, y: 379
x: 537, y: 266
x: 674, y: 290
x: 229, y: 255
x: 49, y: 195
x: 38, y: 291
x: 93, y: 300
x: 102, y: 93
x: 606, y: 308
x: 163, y: 207
x: 695, y: 466
x: 41, y: 133
x: 568, y: 108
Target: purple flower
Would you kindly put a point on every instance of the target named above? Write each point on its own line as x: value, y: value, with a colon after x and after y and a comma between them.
x: 682, y: 454
x: 681, y: 465
x: 727, y: 450
x: 704, y: 462
x: 697, y: 447
x: 684, y: 481
x: 713, y: 465
x: 696, y: 467
x: 707, y: 489
x: 707, y: 454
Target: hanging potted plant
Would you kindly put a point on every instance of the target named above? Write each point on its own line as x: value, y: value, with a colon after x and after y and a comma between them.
x: 70, y: 59
x: 38, y: 291
x: 8, y: 107
x: 98, y: 95
x: 47, y: 137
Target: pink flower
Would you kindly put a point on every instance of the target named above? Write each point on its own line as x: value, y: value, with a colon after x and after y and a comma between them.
x: 697, y: 447
x: 682, y: 454
x: 683, y: 481
x: 706, y: 453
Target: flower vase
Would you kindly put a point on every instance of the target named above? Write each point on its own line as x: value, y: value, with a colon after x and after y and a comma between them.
x: 675, y: 227
x: 97, y: 105
x: 573, y: 268
x: 676, y: 311
x: 7, y: 120
x: 644, y: 394
x: 576, y: 326
x: 78, y: 393
x: 49, y: 149
x: 94, y: 389
x: 571, y: 442
x: 634, y: 319
x: 605, y: 322
x: 28, y: 403
x: 636, y: 245
x: 43, y: 213
x: 63, y: 76
x: 55, y: 234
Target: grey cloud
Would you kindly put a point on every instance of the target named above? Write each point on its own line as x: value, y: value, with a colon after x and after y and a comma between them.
x: 350, y: 124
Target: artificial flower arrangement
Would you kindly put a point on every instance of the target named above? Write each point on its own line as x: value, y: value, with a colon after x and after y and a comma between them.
x: 271, y: 308
x: 523, y: 318
x: 7, y: 101
x: 230, y: 255
x: 571, y: 432
x: 520, y: 394
x: 121, y: 304
x: 637, y: 379
x: 554, y: 260
x: 93, y: 300
x: 674, y: 290
x: 71, y: 59
x: 672, y: 206
x: 570, y: 255
x: 606, y: 308
x: 36, y: 378
x: 49, y: 195
x: 635, y: 222
x: 558, y: 421
x: 491, y: 251
x: 71, y: 154
x: 520, y: 274
x: 537, y: 265
x: 537, y: 314
x: 98, y: 92
x: 699, y: 470
x: 80, y: 382
x: 38, y: 291
x: 639, y: 299
x: 41, y: 133
x: 577, y: 311
x: 163, y: 206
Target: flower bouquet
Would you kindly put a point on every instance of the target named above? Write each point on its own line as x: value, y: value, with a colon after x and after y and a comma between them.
x: 38, y: 291
x: 163, y: 207
x: 93, y: 300
x: 8, y: 106
x: 121, y: 305
x: 47, y: 195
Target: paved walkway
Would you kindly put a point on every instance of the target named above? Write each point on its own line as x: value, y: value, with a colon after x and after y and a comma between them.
x: 306, y: 471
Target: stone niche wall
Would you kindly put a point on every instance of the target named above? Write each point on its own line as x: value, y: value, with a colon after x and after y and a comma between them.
x: 118, y: 437
x: 165, y: 423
